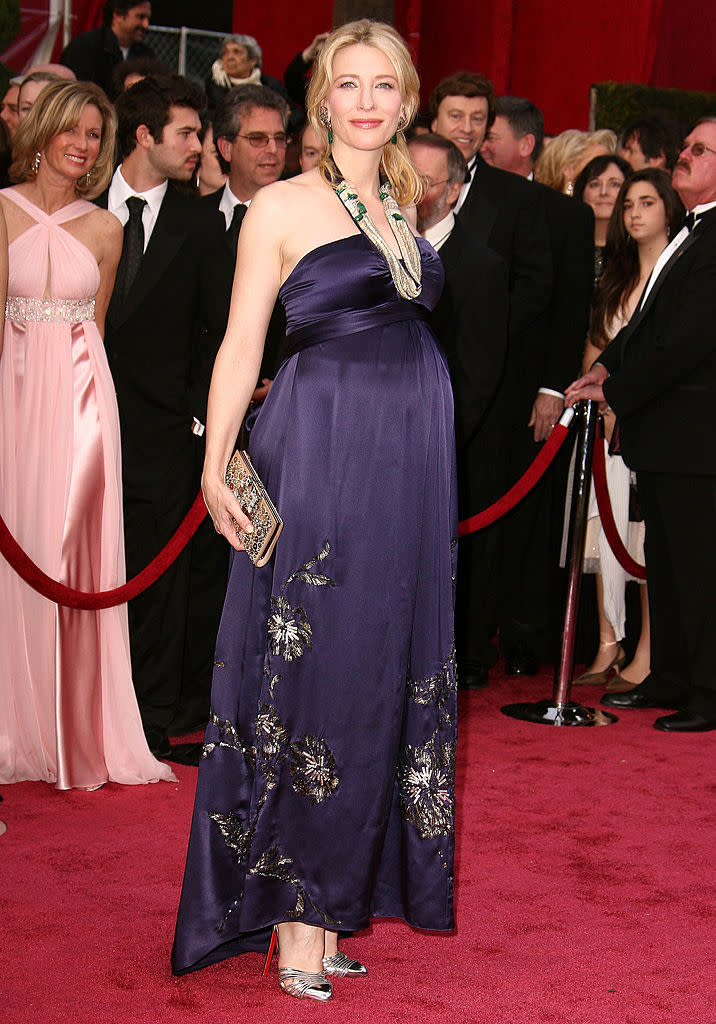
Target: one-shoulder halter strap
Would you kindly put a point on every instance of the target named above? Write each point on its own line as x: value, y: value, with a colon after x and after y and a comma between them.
x: 74, y: 209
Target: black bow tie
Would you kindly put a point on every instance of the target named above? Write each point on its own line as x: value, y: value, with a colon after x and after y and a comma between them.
x: 689, y: 220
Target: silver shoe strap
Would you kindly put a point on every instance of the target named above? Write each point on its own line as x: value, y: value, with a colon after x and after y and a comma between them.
x: 339, y: 965
x: 297, y: 983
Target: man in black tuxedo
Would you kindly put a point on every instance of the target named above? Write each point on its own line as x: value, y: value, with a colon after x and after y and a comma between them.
x: 470, y: 321
x: 94, y: 55
x: 250, y: 136
x: 152, y: 338
x: 659, y: 376
x: 529, y: 575
x: 505, y: 213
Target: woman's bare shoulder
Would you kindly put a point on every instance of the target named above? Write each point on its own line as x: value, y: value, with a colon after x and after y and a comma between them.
x: 105, y: 222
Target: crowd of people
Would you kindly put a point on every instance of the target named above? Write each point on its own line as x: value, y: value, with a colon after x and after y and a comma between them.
x: 317, y: 253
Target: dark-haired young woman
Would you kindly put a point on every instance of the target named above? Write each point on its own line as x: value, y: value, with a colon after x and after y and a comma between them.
x: 647, y: 212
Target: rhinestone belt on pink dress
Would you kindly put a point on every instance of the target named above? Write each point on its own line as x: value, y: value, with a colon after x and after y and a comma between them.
x: 52, y: 311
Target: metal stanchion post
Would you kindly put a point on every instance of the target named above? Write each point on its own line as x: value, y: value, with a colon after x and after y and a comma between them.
x: 560, y: 710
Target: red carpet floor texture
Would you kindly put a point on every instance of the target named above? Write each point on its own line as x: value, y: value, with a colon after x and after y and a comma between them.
x: 585, y: 893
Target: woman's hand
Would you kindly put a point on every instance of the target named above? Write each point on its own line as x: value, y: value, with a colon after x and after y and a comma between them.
x: 222, y: 506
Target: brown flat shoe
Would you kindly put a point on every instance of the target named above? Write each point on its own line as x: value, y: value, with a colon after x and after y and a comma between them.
x: 600, y: 678
x: 618, y: 684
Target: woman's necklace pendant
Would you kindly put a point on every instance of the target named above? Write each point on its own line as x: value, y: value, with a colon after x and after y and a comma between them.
x: 407, y: 271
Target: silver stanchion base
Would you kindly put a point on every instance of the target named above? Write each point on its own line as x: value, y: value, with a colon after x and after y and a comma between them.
x: 544, y: 712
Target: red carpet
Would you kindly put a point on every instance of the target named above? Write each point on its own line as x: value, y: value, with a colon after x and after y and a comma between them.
x: 585, y: 893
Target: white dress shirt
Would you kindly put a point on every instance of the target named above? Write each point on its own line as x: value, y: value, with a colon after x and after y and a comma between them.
x: 120, y: 191
x: 227, y: 203
x: 439, y: 233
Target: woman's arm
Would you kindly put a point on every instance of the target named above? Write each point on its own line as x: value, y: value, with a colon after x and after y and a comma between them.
x: 236, y: 368
x: 3, y: 274
x: 111, y: 236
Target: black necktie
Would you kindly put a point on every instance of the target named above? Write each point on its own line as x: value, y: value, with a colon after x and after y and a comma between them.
x: 233, y: 233
x: 132, y: 247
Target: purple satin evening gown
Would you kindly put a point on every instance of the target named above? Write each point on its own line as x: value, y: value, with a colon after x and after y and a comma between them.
x: 326, y: 789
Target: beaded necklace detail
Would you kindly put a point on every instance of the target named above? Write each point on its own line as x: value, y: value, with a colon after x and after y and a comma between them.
x: 406, y: 274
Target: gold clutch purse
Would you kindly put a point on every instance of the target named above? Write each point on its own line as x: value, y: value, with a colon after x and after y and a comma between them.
x: 245, y: 484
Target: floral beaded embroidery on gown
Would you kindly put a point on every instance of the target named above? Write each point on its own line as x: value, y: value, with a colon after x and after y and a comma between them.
x: 326, y: 787
x: 68, y: 712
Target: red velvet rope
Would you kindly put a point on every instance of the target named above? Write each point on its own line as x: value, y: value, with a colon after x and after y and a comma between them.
x: 599, y: 475
x: 516, y: 493
x: 61, y: 594
x: 70, y: 598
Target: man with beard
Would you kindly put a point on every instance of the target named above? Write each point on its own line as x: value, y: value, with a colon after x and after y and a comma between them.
x: 470, y: 322
x: 659, y: 377
x: 152, y: 337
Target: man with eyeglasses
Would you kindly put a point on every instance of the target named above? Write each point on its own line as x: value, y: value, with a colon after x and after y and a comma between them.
x: 659, y: 376
x: 250, y: 129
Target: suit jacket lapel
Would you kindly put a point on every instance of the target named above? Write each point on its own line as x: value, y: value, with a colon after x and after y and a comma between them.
x: 478, y: 211
x: 665, y: 271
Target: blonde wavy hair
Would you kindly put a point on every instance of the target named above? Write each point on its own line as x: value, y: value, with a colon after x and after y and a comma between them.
x: 407, y: 186
x: 57, y: 109
x: 568, y: 152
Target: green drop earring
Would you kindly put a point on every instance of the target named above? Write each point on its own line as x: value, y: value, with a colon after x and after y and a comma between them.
x: 330, y: 135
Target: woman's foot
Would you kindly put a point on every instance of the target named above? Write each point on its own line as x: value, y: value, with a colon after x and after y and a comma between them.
x: 610, y: 656
x: 338, y: 965
x: 635, y: 672
x: 301, y: 946
x: 300, y: 961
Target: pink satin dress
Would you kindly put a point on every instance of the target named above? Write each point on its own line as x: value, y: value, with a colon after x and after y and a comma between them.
x: 68, y: 712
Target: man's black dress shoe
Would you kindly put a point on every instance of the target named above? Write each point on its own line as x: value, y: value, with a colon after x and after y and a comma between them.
x: 521, y: 662
x: 185, y: 753
x: 634, y: 699
x: 475, y: 679
x: 685, y: 721
x: 158, y: 744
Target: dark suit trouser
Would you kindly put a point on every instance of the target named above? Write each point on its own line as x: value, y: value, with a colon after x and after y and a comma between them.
x: 680, y: 517
x: 525, y: 564
x: 208, y: 573
x: 157, y: 617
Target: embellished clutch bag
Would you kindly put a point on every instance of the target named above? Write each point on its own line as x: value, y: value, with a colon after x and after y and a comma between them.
x: 245, y: 484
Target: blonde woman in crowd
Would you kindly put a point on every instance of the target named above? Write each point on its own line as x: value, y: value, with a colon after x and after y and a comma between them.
x: 564, y: 157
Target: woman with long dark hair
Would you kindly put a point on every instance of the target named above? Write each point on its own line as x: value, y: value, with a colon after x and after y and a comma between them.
x: 647, y: 212
x: 598, y: 185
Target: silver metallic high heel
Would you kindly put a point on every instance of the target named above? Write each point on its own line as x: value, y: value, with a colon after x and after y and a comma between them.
x: 301, y: 984
x: 305, y: 985
x: 341, y: 966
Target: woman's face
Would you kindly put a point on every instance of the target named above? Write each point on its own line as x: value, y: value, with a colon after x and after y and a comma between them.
x: 73, y: 153
x: 211, y: 176
x: 236, y: 61
x: 364, y: 103
x: 645, y: 214
x: 27, y: 96
x: 601, y: 192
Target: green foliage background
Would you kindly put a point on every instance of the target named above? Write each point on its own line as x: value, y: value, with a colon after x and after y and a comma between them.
x: 617, y: 103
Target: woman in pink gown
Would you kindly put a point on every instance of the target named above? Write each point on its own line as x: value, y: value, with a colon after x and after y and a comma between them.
x: 68, y: 713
